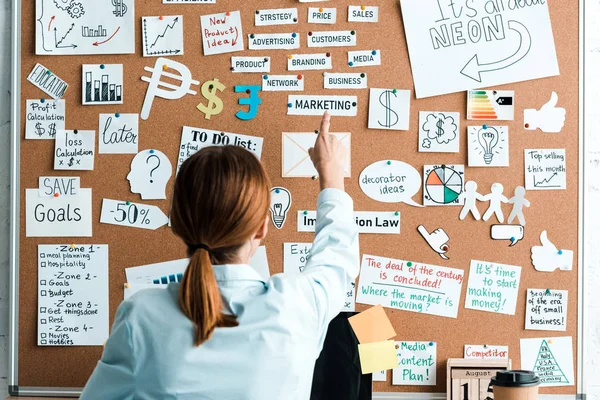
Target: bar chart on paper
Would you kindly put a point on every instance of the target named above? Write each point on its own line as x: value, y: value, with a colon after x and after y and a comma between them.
x: 102, y: 83
x: 94, y: 32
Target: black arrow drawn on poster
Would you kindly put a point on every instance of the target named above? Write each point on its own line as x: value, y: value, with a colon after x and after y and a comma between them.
x: 473, y: 69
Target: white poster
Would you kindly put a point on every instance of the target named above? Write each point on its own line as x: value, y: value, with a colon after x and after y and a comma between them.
x: 84, y: 27
x: 456, y: 47
x: 72, y: 294
x: 60, y: 216
x: 410, y: 286
x: 550, y: 358
x: 381, y: 222
x: 194, y: 139
x: 295, y: 257
x: 118, y: 134
x: 545, y: 169
x: 44, y: 118
x: 417, y: 364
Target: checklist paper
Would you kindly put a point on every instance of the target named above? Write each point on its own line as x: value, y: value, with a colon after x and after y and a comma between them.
x: 72, y: 295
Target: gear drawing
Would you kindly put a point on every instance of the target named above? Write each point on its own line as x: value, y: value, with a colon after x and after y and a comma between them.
x: 76, y: 10
x: 63, y: 4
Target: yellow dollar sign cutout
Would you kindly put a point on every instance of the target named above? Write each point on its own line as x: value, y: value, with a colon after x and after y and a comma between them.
x: 215, y: 104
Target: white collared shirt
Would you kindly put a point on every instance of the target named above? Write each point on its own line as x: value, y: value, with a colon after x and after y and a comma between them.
x: 271, y: 354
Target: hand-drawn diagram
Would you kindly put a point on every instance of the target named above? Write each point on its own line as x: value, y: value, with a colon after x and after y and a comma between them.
x: 84, y: 27
x: 491, y: 105
x: 102, y: 84
x: 438, y: 132
x: 389, y: 109
x: 443, y: 185
x: 488, y: 146
x: 281, y: 200
x: 162, y: 36
x: 545, y: 169
x: 437, y: 240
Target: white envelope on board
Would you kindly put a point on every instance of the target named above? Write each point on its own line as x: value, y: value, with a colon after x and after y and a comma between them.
x: 295, y: 160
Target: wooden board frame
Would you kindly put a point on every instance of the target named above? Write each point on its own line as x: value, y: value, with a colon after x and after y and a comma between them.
x: 15, y: 388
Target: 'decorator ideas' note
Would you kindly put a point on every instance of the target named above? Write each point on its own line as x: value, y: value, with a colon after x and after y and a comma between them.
x: 72, y: 295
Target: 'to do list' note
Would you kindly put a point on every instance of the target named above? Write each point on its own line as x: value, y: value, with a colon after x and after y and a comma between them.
x: 72, y: 295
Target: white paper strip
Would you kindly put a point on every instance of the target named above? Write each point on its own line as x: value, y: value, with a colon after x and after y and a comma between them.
x: 345, y: 106
x: 273, y: 41
x: 302, y: 62
x: 381, y: 222
x: 364, y: 58
x: 363, y: 13
x: 135, y: 215
x: 344, y: 80
x: 63, y: 216
x: 278, y: 16
x: 331, y: 39
x: 322, y: 15
x: 56, y: 186
x: 46, y: 81
x: 250, y: 64
x: 274, y: 83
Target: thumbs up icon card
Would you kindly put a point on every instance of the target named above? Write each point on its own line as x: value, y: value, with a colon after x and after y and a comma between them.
x: 549, y: 118
x: 547, y: 258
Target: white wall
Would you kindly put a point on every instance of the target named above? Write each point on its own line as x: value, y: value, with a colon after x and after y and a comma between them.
x: 593, y: 190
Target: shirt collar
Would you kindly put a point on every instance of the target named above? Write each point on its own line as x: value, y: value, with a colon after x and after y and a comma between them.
x: 236, y: 272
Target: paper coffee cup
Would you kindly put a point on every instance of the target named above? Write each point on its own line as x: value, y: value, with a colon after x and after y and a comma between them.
x: 515, y: 385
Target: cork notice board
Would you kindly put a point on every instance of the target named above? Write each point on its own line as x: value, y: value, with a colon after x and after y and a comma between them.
x: 555, y: 211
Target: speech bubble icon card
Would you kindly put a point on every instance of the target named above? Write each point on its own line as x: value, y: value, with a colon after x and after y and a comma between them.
x: 162, y: 36
x: 439, y: 132
x: 443, y: 185
x: 491, y: 105
x: 488, y: 146
x: 391, y: 181
x: 389, y: 109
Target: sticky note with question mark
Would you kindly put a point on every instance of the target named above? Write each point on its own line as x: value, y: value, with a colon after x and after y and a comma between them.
x: 150, y: 172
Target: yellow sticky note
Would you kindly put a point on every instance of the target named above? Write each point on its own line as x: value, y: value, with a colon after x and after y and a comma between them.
x: 372, y: 325
x: 377, y: 356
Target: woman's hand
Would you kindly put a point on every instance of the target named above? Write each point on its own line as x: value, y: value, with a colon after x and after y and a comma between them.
x: 328, y: 157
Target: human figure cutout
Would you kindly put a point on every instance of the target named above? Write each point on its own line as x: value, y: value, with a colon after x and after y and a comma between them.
x: 150, y: 172
x: 496, y: 198
x: 518, y: 201
x: 470, y: 197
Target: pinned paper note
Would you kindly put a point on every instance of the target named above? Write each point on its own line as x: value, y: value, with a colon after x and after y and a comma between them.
x: 65, y: 27
x: 514, y: 233
x: 273, y: 41
x: 546, y: 310
x: 72, y: 295
x: 45, y: 80
x: 331, y: 39
x: 149, y: 174
x: 102, y: 84
x: 250, y: 64
x: 443, y: 185
x: 295, y: 160
x: 281, y: 200
x: 410, y: 286
x: 417, y: 364
x: 380, y: 222
x: 58, y: 216
x: 389, y: 109
x: 493, y: 287
x: 549, y: 118
x: 439, y: 132
x: 344, y: 81
x: 56, y: 186
x: 222, y: 33
x: 363, y: 13
x: 162, y: 35
x: 74, y: 150
x: 377, y: 356
x: 391, y: 181
x: 278, y: 16
x: 372, y: 325
x: 194, y: 139
x: 320, y: 15
x: 118, y: 134
x: 550, y: 358
x: 490, y: 105
x: 295, y: 257
x: 488, y: 146
x: 364, y: 58
x: 486, y: 352
x: 44, y: 117
x: 135, y: 215
x: 547, y: 258
x: 275, y: 83
x: 305, y: 62
x: 485, y: 45
x: 341, y: 106
x: 158, y: 88
x: 545, y: 169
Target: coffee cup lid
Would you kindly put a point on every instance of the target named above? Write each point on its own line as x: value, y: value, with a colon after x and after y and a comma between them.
x: 515, y: 379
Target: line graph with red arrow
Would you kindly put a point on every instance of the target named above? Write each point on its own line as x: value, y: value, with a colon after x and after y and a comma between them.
x: 107, y: 40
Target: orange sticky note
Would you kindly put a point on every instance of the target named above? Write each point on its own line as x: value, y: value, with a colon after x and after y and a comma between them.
x: 377, y: 356
x: 372, y: 325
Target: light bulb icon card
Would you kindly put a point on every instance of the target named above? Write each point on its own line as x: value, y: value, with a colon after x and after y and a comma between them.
x: 491, y: 105
x: 488, y: 146
x: 281, y: 201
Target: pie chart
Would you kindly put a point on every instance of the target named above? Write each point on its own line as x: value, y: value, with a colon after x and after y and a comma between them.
x: 443, y: 185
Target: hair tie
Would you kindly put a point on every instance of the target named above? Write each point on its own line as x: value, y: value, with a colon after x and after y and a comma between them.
x: 201, y: 246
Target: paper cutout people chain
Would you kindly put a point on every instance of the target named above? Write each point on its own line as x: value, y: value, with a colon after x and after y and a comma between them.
x: 150, y: 172
x: 549, y: 118
x: 496, y: 198
x: 470, y: 197
x: 437, y: 240
x: 518, y: 201
x: 547, y: 257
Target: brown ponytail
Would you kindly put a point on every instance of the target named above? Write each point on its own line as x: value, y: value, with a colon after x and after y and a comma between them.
x: 221, y: 199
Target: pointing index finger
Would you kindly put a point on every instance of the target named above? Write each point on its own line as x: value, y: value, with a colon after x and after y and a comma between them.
x: 325, y: 121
